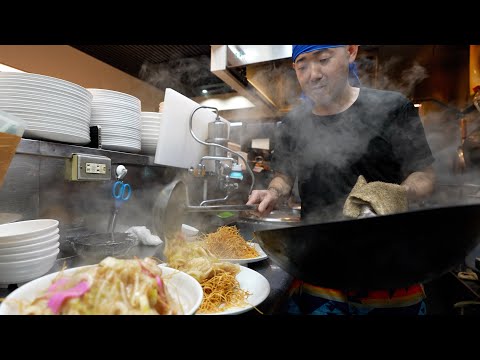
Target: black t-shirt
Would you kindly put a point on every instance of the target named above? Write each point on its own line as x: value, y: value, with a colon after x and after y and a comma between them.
x: 380, y: 137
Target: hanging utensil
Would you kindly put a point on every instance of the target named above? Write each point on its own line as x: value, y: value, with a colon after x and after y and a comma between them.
x: 121, y: 192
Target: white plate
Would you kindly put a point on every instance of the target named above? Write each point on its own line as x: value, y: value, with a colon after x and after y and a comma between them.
x: 262, y: 256
x: 253, y: 282
x: 181, y: 285
x: 42, y: 81
x: 122, y: 148
x: 149, y: 139
x: 57, y: 136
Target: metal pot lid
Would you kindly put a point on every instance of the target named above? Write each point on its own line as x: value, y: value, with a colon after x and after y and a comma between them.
x: 169, y: 209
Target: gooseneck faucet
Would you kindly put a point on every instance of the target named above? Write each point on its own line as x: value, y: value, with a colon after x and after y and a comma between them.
x: 224, y: 181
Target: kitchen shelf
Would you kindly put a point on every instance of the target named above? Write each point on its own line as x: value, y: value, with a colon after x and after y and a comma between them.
x: 61, y: 150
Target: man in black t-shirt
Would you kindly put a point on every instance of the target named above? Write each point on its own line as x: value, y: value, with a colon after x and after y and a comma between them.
x: 342, y: 131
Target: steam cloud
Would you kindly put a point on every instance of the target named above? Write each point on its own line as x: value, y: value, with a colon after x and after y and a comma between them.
x: 441, y: 130
x: 387, y: 77
x: 182, y: 74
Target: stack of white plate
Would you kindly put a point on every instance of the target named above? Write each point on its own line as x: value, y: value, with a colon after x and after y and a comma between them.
x: 54, y: 109
x: 28, y: 249
x: 150, y: 131
x: 118, y: 114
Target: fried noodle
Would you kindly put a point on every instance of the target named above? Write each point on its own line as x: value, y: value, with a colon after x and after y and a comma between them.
x: 221, y: 289
x: 227, y: 243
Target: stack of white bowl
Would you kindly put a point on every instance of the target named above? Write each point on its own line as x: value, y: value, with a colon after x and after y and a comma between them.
x: 54, y: 109
x: 118, y: 114
x: 28, y: 249
x: 150, y: 131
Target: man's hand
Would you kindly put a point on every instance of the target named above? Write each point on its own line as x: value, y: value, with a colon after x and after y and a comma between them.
x: 266, y: 200
x: 420, y: 184
x: 279, y: 187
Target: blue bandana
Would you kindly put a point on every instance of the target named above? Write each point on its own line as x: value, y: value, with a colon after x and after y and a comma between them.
x: 300, y: 49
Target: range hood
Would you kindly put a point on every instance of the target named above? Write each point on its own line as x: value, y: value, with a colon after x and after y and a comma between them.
x: 261, y: 73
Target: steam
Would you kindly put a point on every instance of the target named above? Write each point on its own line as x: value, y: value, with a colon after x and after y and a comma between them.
x: 442, y: 131
x: 279, y: 82
x: 441, y: 128
x: 183, y: 74
x: 387, y: 76
x: 453, y: 186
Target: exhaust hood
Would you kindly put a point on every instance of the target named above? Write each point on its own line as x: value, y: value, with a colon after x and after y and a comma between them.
x: 261, y: 73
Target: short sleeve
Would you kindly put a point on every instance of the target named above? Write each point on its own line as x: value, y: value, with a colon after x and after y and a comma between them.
x: 408, y: 140
x: 283, y: 156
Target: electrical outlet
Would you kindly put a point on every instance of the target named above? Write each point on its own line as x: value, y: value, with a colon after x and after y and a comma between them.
x: 84, y: 167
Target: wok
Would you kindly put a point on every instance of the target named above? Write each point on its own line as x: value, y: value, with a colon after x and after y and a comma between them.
x: 380, y: 252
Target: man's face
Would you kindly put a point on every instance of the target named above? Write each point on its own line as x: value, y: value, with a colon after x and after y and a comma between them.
x: 323, y: 74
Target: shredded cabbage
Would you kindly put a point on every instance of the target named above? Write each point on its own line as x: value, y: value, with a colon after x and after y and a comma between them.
x: 114, y: 287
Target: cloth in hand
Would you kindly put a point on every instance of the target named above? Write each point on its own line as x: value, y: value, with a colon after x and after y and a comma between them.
x: 384, y: 198
x: 143, y: 235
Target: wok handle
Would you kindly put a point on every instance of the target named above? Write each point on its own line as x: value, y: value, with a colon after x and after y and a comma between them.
x: 209, y: 208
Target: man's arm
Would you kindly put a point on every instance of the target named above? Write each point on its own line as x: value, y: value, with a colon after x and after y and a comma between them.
x: 420, y: 184
x: 280, y: 187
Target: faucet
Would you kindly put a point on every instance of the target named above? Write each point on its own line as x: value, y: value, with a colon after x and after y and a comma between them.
x: 227, y: 169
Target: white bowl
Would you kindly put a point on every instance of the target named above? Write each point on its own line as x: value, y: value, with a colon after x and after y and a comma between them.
x: 29, y: 241
x: 21, y: 230
x: 52, y: 239
x: 30, y: 255
x: 26, y: 270
x: 182, y: 287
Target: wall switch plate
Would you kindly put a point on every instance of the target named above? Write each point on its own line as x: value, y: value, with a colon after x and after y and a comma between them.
x: 84, y: 167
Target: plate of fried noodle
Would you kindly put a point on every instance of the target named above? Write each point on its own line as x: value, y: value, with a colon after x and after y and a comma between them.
x: 113, y: 287
x: 227, y: 244
x: 228, y: 288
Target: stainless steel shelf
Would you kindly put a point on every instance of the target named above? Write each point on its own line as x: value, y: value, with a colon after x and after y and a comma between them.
x: 59, y: 150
